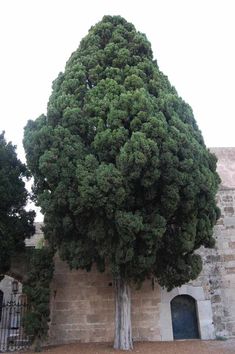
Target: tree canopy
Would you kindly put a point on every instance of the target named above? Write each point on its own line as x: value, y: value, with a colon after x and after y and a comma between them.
x: 121, y: 170
x: 16, y: 223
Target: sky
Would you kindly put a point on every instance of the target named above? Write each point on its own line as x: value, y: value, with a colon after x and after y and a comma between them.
x: 192, y: 40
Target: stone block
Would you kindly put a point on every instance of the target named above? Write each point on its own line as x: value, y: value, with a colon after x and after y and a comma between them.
x: 206, y: 326
x: 229, y: 210
x: 231, y: 245
x: 62, y: 305
x: 216, y: 299
x: 229, y: 221
x: 165, y: 323
x: 95, y: 318
x: 227, y: 199
x: 135, y: 333
x: 230, y: 270
x: 149, y: 334
x: 136, y: 304
x: 149, y: 303
x: 229, y: 257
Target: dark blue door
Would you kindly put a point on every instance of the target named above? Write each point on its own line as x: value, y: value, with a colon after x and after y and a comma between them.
x: 184, y: 317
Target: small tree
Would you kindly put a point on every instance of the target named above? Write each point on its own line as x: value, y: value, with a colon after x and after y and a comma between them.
x: 37, y: 288
x: 121, y: 170
x: 16, y: 223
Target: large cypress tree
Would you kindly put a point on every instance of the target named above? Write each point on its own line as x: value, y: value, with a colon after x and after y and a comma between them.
x: 16, y: 223
x: 121, y: 170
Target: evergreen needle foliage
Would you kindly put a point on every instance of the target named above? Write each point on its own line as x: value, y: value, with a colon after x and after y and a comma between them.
x: 15, y: 222
x: 37, y: 289
x: 121, y: 170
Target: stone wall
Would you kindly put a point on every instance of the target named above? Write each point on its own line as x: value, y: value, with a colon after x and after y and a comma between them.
x: 82, y: 304
x: 223, y: 299
x: 218, y: 275
x: 225, y: 165
x: 222, y: 261
x: 82, y: 307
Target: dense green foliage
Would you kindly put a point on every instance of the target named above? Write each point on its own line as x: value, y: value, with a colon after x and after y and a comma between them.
x: 121, y: 170
x: 15, y: 222
x: 37, y: 289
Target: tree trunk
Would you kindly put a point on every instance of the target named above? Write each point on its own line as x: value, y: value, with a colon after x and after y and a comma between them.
x: 123, y: 330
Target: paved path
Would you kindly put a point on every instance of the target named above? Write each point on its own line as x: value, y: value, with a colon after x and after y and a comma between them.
x: 177, y: 347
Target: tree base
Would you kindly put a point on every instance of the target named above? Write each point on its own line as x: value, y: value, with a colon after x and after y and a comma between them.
x: 123, y: 329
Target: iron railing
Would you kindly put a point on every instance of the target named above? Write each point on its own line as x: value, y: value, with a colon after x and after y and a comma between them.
x: 12, y: 336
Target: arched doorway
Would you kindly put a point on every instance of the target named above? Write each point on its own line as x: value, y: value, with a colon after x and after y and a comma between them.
x: 184, y: 317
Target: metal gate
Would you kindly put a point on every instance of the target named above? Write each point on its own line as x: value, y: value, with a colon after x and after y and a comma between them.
x: 12, y: 336
x: 184, y: 317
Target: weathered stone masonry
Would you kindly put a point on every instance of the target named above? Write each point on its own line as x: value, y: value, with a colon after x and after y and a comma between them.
x: 223, y: 288
x: 83, y: 307
x: 82, y: 304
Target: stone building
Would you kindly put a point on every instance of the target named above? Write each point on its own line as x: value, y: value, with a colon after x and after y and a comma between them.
x: 82, y: 304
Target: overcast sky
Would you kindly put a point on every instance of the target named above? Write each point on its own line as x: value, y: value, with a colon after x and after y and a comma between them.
x: 192, y: 40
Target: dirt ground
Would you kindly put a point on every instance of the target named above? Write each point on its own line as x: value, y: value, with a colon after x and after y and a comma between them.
x: 179, y: 347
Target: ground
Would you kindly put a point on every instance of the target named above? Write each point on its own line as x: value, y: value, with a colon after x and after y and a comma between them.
x: 179, y: 347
